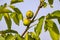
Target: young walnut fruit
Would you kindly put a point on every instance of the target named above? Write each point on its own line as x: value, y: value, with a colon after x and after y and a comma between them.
x: 29, y: 14
x: 26, y: 22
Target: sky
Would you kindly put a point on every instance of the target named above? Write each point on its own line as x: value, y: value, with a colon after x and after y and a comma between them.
x: 31, y: 5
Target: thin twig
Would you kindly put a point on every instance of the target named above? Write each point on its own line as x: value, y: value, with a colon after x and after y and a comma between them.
x: 25, y: 31
x: 40, y: 6
x: 36, y: 12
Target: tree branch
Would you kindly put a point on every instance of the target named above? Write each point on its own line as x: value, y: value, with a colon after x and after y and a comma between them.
x: 40, y: 6
x: 25, y: 31
x: 36, y: 12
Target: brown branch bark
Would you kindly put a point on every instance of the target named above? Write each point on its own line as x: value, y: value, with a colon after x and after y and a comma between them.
x: 40, y: 6
x: 25, y: 31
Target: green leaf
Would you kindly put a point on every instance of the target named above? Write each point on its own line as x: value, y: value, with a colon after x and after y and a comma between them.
x: 19, y: 13
x: 1, y: 38
x: 53, y: 30
x: 16, y: 1
x: 38, y: 28
x: 51, y: 6
x: 5, y: 5
x: 1, y: 15
x: 18, y: 37
x: 1, y: 7
x: 50, y: 2
x: 45, y: 5
x: 5, y: 10
x: 14, y: 16
x: 20, y: 17
x: 15, y: 9
x: 3, y: 35
x: 46, y: 26
x: 8, y: 20
x: 28, y: 37
x: 33, y: 35
x: 10, y: 31
x: 53, y: 15
x: 56, y: 13
x: 59, y: 20
x: 10, y: 37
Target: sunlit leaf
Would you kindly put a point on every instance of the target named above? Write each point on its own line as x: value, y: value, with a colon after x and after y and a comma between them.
x: 4, y: 32
x: 8, y: 20
x: 20, y: 16
x: 5, y: 10
x: 51, y: 6
x: 53, y: 30
x: 38, y: 28
x: 59, y: 36
x: 55, y: 14
x: 50, y: 2
x: 18, y: 37
x: 1, y: 38
x: 10, y: 37
x: 14, y: 16
x: 45, y: 4
x: 28, y: 37
x: 1, y: 7
x: 59, y: 20
x: 16, y: 1
x: 46, y: 26
x: 19, y: 13
x: 17, y: 16
x: 15, y: 9
x: 10, y: 31
x: 5, y: 5
x: 1, y: 15
x: 33, y: 35
x: 3, y: 35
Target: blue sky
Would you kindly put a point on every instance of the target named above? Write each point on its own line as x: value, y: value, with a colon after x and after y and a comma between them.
x: 31, y: 5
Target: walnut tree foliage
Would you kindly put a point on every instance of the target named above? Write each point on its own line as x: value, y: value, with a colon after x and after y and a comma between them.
x: 16, y: 15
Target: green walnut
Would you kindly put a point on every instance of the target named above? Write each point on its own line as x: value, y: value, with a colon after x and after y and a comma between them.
x: 29, y: 14
x: 26, y: 21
